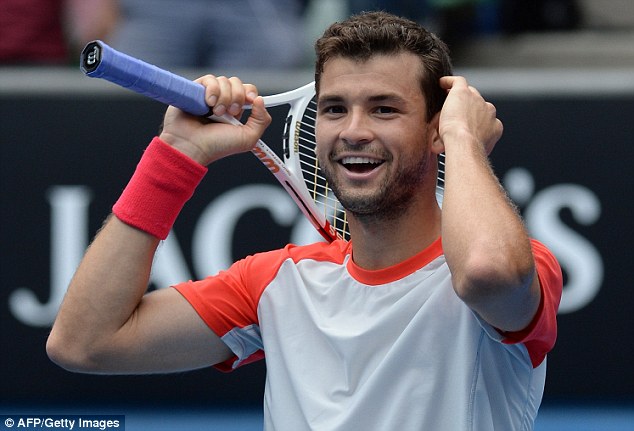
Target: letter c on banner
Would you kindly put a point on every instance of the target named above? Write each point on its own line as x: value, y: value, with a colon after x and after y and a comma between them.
x: 213, y: 235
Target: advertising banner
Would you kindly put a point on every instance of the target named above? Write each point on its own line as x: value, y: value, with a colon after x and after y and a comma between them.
x: 565, y: 160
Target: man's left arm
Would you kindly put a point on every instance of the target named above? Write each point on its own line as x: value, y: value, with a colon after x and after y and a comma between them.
x: 484, y: 239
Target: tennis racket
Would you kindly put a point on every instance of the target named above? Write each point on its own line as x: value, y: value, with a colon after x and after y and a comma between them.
x: 296, y: 168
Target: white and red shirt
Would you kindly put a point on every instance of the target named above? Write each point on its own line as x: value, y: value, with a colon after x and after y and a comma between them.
x: 393, y: 349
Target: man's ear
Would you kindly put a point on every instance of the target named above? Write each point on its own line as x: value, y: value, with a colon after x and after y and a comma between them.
x: 437, y: 145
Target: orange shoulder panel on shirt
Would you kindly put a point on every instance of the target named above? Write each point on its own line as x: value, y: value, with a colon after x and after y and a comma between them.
x: 231, y: 297
x: 539, y: 337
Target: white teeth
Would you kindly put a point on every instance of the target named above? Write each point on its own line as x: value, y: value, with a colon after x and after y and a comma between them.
x: 359, y: 160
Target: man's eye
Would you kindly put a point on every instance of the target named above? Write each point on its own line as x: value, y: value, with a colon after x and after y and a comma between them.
x: 385, y: 110
x: 334, y: 109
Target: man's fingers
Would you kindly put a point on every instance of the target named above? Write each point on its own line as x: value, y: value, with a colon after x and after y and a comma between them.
x: 259, y: 119
x: 251, y: 92
x: 448, y: 82
x: 227, y: 95
x: 238, y: 97
x: 211, y: 89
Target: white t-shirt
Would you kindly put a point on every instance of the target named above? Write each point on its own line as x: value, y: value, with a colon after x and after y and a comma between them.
x: 394, y: 349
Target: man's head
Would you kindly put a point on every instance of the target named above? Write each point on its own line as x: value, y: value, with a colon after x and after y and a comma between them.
x: 371, y: 33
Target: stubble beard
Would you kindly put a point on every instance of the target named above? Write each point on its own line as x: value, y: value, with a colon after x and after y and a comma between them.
x: 392, y: 198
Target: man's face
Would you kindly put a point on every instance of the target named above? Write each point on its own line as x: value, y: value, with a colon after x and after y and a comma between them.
x: 372, y: 133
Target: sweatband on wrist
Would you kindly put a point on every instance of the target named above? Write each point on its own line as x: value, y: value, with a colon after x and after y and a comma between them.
x: 163, y: 181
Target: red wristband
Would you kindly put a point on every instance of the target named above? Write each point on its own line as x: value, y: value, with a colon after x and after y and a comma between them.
x: 163, y: 181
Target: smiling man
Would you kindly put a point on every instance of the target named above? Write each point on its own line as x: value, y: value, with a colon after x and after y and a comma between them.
x: 376, y: 142
x: 428, y: 318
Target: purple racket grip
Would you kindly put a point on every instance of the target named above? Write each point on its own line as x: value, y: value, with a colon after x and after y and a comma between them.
x: 99, y: 60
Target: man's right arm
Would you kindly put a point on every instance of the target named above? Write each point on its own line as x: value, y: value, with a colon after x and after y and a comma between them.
x: 108, y: 324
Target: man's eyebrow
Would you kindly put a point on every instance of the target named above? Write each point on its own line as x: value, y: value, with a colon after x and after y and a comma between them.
x: 387, y: 97
x: 329, y: 99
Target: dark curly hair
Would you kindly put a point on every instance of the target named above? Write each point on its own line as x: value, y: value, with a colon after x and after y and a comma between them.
x: 370, y: 33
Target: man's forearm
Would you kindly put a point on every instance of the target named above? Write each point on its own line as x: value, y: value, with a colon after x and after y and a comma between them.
x: 104, y: 293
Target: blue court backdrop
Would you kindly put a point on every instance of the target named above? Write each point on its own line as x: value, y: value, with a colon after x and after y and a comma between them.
x: 67, y: 152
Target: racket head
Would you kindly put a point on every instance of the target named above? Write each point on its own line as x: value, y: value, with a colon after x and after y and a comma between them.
x: 300, y: 157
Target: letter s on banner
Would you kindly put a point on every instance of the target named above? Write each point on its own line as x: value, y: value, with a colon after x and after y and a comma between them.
x: 577, y: 256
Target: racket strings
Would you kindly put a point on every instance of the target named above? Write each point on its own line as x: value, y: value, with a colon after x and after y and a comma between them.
x: 440, y: 183
x: 316, y: 183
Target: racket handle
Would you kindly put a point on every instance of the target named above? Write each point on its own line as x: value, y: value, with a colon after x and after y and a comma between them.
x: 99, y: 60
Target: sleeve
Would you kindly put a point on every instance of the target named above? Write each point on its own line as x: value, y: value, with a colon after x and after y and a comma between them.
x: 228, y: 304
x: 540, y: 335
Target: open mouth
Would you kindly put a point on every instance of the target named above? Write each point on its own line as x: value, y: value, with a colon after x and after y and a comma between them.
x: 360, y: 164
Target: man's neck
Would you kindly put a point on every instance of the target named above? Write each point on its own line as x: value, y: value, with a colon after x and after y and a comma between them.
x: 381, y: 243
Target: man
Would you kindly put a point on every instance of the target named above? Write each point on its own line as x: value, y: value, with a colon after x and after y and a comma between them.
x: 426, y: 319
